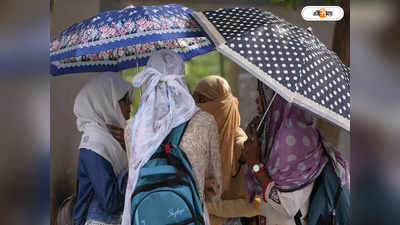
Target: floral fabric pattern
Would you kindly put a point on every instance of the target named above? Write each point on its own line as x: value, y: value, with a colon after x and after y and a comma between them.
x: 181, y: 45
x: 123, y: 24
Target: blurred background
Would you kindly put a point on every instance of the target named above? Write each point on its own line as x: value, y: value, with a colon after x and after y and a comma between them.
x: 33, y: 103
x: 375, y: 59
x: 24, y: 112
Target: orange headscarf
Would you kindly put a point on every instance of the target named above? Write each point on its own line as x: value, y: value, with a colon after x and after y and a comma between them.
x: 224, y: 107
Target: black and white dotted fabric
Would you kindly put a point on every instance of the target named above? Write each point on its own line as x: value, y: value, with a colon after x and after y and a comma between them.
x: 232, y: 23
x: 291, y: 55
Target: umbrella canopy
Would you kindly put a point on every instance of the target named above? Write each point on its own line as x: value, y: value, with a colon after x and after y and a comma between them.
x: 120, y: 39
x: 287, y: 58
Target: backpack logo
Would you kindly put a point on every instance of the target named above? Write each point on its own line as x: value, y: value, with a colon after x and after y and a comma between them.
x: 175, y: 212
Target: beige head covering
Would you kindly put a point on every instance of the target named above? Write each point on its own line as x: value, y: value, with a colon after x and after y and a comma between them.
x: 224, y: 107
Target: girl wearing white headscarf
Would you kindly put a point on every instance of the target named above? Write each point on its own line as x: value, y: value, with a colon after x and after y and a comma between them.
x: 165, y: 104
x: 102, y: 174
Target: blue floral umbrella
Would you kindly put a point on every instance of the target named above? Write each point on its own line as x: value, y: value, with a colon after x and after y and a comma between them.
x: 120, y: 39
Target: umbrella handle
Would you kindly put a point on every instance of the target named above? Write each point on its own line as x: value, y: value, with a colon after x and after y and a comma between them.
x: 137, y: 71
x: 265, y: 114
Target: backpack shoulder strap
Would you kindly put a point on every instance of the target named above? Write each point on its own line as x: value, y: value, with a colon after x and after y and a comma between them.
x: 176, y: 134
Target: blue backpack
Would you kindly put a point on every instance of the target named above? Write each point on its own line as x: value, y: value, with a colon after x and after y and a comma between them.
x: 166, y: 192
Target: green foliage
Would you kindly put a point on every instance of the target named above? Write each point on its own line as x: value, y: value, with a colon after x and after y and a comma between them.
x: 294, y: 4
x: 128, y: 75
x: 201, y: 66
x: 195, y: 69
x: 332, y: 2
x: 288, y: 3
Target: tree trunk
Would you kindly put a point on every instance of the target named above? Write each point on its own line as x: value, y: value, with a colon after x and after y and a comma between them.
x: 341, y: 40
x: 341, y: 46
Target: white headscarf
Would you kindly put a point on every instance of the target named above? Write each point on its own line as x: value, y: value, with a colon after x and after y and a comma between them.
x: 166, y: 103
x: 96, y: 105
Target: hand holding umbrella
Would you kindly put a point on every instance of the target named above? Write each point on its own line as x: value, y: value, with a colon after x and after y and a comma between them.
x: 118, y: 134
x: 252, y: 153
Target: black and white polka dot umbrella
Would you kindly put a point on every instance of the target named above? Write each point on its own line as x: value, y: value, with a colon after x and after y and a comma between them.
x: 287, y: 58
